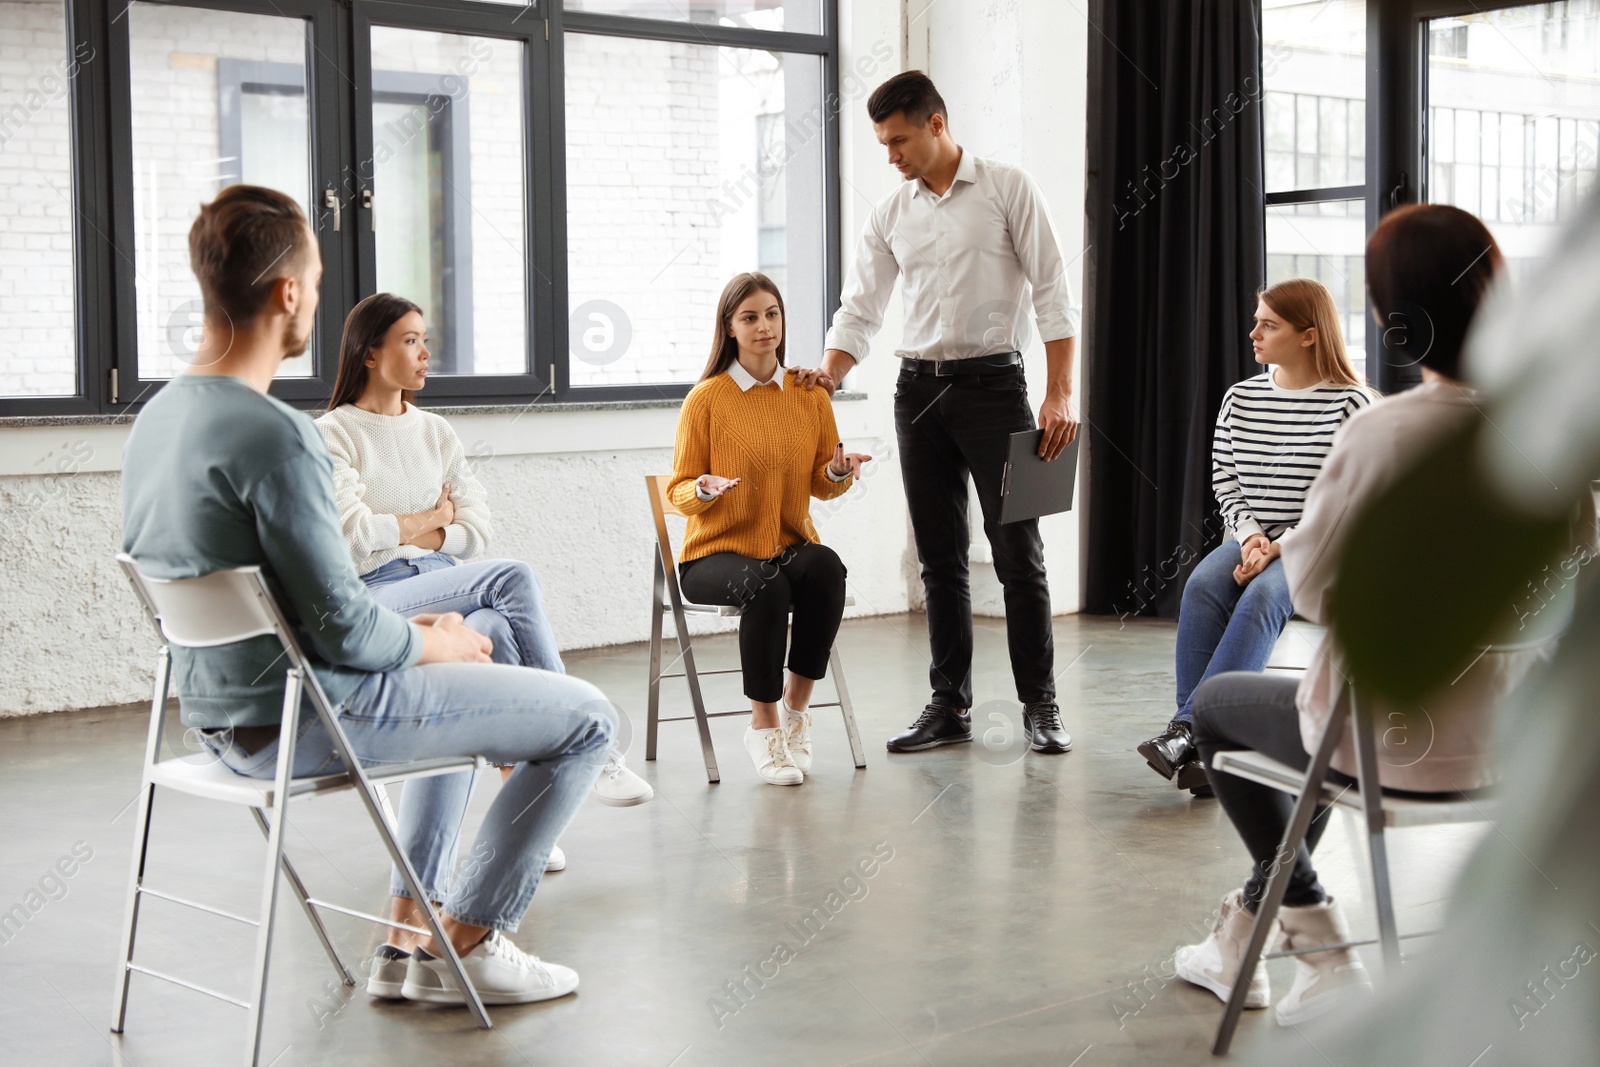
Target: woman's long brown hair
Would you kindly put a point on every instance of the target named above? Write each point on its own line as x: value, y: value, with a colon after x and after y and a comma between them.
x: 724, y: 349
x: 1305, y: 304
x: 365, y: 328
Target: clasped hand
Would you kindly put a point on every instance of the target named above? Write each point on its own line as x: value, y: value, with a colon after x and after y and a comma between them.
x: 1257, y: 552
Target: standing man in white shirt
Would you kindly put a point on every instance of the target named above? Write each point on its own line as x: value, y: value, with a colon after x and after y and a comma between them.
x: 968, y: 237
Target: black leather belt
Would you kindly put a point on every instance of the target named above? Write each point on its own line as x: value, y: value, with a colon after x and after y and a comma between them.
x: 942, y: 368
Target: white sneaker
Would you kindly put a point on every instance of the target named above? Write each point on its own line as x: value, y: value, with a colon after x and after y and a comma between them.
x: 1323, y: 981
x: 386, y: 972
x: 500, y: 971
x: 619, y: 786
x: 770, y: 754
x: 797, y: 734
x: 1214, y: 963
x: 557, y: 860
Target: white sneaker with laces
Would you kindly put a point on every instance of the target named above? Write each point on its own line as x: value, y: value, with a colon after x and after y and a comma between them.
x: 557, y: 860
x: 619, y: 786
x: 500, y: 971
x: 797, y: 734
x: 770, y: 753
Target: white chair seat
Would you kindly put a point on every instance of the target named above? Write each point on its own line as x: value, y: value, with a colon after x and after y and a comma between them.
x: 214, y: 781
x: 1296, y: 648
x: 1398, y: 812
x: 732, y: 611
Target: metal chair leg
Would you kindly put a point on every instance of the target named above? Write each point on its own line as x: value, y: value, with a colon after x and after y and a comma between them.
x: 304, y: 897
x: 130, y: 921
x: 1293, y: 837
x: 653, y: 714
x: 141, y: 839
x: 692, y: 676
x: 269, y: 885
x: 1372, y: 817
x: 847, y: 708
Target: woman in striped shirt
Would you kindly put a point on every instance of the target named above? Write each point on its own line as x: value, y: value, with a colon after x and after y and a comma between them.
x: 1273, y: 432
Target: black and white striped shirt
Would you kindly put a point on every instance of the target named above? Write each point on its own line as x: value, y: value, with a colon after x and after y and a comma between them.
x: 1269, y: 446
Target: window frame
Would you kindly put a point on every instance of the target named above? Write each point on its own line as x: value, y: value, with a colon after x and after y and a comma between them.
x: 825, y: 45
x: 339, y: 114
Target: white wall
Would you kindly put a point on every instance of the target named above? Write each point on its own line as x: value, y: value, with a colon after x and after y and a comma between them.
x: 1013, y: 74
x: 568, y: 486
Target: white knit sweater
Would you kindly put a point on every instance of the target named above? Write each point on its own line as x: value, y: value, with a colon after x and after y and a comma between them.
x: 390, y: 465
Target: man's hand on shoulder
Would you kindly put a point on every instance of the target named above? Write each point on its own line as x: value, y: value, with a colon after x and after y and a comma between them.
x: 836, y: 363
x: 447, y: 639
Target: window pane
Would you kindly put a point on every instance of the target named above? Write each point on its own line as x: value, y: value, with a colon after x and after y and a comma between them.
x: 796, y: 16
x: 449, y: 187
x: 685, y: 165
x: 1511, y: 119
x: 218, y: 97
x: 1327, y: 243
x: 1314, y: 73
x: 38, y: 356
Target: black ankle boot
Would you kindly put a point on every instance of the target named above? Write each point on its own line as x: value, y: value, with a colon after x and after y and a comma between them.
x: 1168, y: 751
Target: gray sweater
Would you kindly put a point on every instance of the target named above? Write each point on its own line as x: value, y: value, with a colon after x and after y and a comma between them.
x: 217, y: 475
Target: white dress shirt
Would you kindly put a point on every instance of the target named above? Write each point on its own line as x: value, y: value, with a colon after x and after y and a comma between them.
x: 747, y: 381
x: 967, y: 260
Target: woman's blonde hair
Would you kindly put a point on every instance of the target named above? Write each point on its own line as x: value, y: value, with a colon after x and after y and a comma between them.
x: 1306, y: 304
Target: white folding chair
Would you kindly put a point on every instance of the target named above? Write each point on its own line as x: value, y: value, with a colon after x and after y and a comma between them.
x: 1378, y: 812
x: 668, y: 597
x: 219, y: 609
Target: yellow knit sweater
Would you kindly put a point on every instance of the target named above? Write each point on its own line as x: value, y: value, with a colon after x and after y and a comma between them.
x: 779, y: 442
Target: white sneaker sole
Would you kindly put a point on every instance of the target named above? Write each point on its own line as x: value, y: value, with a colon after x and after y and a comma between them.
x: 385, y: 990
x: 446, y: 995
x: 626, y: 800
x: 1295, y: 1014
x: 1256, y: 999
x: 797, y: 779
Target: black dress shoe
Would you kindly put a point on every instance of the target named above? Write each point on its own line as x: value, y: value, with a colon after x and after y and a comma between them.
x: 1192, y: 776
x: 1045, y: 732
x: 1170, y: 750
x: 937, y: 725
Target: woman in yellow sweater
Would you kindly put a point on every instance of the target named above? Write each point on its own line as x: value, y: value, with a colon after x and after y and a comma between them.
x: 752, y: 449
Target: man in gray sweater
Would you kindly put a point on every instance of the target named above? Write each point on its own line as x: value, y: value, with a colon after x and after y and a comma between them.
x: 219, y: 474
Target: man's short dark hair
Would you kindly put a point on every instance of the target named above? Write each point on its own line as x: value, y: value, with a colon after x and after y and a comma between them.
x: 911, y: 93
x: 242, y: 242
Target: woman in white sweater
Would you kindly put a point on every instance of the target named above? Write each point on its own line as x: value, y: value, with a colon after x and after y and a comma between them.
x: 413, y: 513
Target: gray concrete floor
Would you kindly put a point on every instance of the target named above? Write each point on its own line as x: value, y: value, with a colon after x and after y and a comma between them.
x: 1026, y: 914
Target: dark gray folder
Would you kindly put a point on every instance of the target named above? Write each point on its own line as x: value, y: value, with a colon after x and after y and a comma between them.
x: 1030, y: 487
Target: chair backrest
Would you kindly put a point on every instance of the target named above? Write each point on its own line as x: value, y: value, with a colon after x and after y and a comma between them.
x: 214, y: 609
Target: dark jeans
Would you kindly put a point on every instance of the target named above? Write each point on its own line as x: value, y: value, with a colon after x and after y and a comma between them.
x: 807, y: 578
x: 948, y: 428
x: 1243, y: 709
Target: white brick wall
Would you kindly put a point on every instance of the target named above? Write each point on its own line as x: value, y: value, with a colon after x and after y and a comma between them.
x: 37, y: 355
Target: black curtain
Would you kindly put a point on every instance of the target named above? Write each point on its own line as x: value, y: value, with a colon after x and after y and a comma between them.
x: 1175, y: 218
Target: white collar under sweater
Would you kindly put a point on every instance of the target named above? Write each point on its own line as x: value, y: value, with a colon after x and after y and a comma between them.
x: 390, y: 465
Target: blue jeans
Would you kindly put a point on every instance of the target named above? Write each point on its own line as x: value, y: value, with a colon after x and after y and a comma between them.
x: 1222, y: 627
x: 555, y: 729
x: 500, y: 599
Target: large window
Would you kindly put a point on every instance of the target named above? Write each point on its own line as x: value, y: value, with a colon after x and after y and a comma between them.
x: 1490, y: 105
x: 691, y: 183
x: 563, y: 188
x: 1314, y: 76
x: 38, y: 350
x: 1513, y: 119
